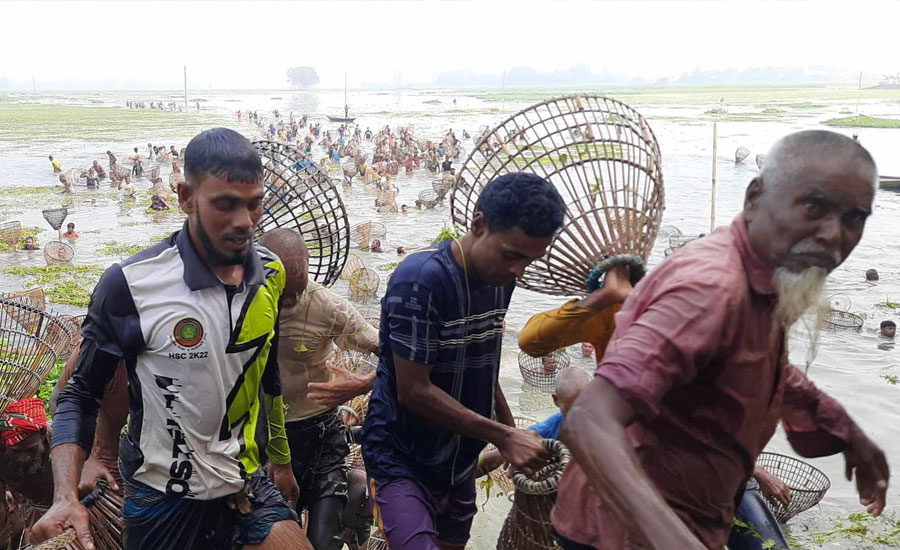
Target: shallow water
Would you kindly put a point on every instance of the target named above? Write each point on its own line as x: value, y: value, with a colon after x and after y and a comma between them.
x: 849, y: 366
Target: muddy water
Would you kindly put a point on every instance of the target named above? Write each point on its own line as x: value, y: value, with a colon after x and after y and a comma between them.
x: 849, y: 366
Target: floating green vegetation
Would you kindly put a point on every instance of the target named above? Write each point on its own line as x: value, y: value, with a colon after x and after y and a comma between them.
x: 63, y: 284
x: 55, y: 122
x: 863, y: 121
x: 387, y: 267
x: 888, y: 304
x: 716, y: 111
x: 120, y: 250
x: 892, y: 379
x: 27, y: 231
x: 857, y: 530
x: 806, y: 105
x: 49, y: 384
x: 772, y: 111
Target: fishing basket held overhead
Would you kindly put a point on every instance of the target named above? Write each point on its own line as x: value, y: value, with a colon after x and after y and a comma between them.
x: 540, y: 372
x: 843, y: 321
x: 301, y: 197
x: 740, y: 154
x: 604, y: 160
x: 364, y: 232
x: 807, y: 484
x: 350, y: 169
x: 364, y: 283
x: 30, y: 340
x: 58, y: 253
x: 759, y: 161
x: 527, y: 527
x: 441, y: 186
x: 55, y: 216
x: 10, y: 233
x: 428, y: 198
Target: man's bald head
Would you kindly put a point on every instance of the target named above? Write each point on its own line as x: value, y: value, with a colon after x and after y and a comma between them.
x: 808, y: 206
x: 568, y: 384
x: 290, y: 247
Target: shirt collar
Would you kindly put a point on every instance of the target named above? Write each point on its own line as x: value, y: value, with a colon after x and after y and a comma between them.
x: 197, y: 274
x: 759, y: 274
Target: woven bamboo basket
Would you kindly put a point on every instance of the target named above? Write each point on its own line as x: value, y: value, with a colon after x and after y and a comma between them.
x: 10, y: 233
x: 58, y: 253
x: 55, y: 216
x: 807, y: 484
x: 843, y: 321
x: 541, y: 372
x: 74, y: 327
x: 527, y: 527
x: 354, y: 262
x: 372, y: 315
x: 440, y: 187
x: 759, y: 161
x: 355, y: 361
x: 350, y: 169
x: 105, y: 508
x: 377, y: 540
x: 429, y: 198
x: 740, y: 154
x: 602, y: 157
x: 307, y: 200
x: 34, y: 300
x: 30, y: 338
x: 499, y: 477
x: 679, y: 241
x: 364, y: 283
x: 364, y: 232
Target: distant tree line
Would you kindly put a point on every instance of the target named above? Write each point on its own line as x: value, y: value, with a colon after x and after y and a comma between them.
x: 302, y: 77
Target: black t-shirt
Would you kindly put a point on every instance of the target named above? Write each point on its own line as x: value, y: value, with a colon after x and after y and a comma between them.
x: 446, y: 165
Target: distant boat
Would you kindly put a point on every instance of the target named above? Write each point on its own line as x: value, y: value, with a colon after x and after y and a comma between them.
x: 346, y: 118
x: 891, y: 183
x: 759, y: 160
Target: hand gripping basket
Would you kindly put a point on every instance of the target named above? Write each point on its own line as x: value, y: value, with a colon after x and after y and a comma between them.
x: 807, y: 484
x: 105, y: 508
x: 307, y: 200
x: 540, y: 372
x: 602, y: 157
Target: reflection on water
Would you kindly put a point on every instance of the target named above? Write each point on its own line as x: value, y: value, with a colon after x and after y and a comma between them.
x: 849, y: 366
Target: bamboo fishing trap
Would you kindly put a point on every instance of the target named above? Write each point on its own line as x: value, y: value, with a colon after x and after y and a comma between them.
x: 364, y: 232
x: 498, y: 476
x: 105, y: 508
x: 760, y: 159
x: 527, y: 527
x: 302, y: 198
x: 364, y: 283
x: 807, y: 484
x: 541, y: 372
x: 740, y: 154
x: 428, y: 198
x: 10, y: 233
x: 31, y: 341
x: 58, y: 253
x: 354, y: 262
x: 602, y: 157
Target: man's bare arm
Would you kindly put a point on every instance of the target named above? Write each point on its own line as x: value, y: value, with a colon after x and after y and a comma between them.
x: 416, y: 393
x: 594, y: 430
x: 501, y: 408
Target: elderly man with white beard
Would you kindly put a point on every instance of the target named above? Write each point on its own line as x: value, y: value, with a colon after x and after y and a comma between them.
x: 696, y: 376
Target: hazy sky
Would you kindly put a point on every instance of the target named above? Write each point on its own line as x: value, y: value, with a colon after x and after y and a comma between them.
x: 251, y: 44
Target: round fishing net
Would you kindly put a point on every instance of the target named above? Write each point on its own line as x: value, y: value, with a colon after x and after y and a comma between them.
x: 299, y: 196
x: 540, y: 372
x: 807, y: 484
x: 55, y: 216
x: 429, y: 198
x: 58, y: 253
x: 364, y: 283
x: 604, y: 160
x: 740, y: 154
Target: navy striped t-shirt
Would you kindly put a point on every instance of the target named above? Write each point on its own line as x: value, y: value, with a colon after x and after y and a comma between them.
x: 429, y: 317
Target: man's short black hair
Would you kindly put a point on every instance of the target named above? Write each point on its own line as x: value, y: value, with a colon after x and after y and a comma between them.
x: 223, y: 153
x: 888, y: 324
x: 522, y: 200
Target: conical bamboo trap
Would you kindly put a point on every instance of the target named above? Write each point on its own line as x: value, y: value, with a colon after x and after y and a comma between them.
x: 364, y: 283
x: 440, y: 186
x: 760, y: 159
x: 10, y: 232
x: 372, y: 315
x: 35, y: 301
x: 429, y: 198
x: 603, y: 158
x: 105, y: 508
x: 31, y: 341
x: 364, y: 232
x: 527, y: 527
x: 305, y: 199
x: 740, y: 154
x: 354, y: 262
x: 55, y: 216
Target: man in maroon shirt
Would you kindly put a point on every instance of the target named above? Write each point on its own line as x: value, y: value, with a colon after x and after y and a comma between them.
x: 696, y: 376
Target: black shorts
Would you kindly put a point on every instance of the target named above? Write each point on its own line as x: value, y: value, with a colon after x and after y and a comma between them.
x: 318, y: 457
x: 156, y: 521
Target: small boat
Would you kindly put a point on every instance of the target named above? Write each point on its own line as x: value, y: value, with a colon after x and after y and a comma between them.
x: 891, y: 183
x: 346, y: 118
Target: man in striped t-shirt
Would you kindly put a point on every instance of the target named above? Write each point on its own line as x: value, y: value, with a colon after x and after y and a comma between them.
x: 437, y: 399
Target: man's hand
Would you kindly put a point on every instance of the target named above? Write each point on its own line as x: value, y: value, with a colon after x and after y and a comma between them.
x: 871, y: 472
x: 64, y: 514
x: 615, y: 290
x: 282, y: 476
x: 343, y: 386
x: 91, y: 473
x: 771, y: 486
x: 523, y: 449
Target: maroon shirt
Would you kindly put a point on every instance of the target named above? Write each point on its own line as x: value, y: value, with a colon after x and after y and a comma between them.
x: 695, y: 354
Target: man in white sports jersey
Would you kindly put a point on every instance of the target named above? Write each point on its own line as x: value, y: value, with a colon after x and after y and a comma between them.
x: 194, y: 317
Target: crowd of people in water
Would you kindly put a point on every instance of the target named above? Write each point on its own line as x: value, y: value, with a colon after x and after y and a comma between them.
x: 240, y: 374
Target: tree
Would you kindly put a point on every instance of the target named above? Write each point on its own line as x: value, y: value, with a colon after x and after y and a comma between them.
x: 302, y: 77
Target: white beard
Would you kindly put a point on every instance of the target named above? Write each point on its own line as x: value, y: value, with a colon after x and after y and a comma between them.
x: 797, y: 294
